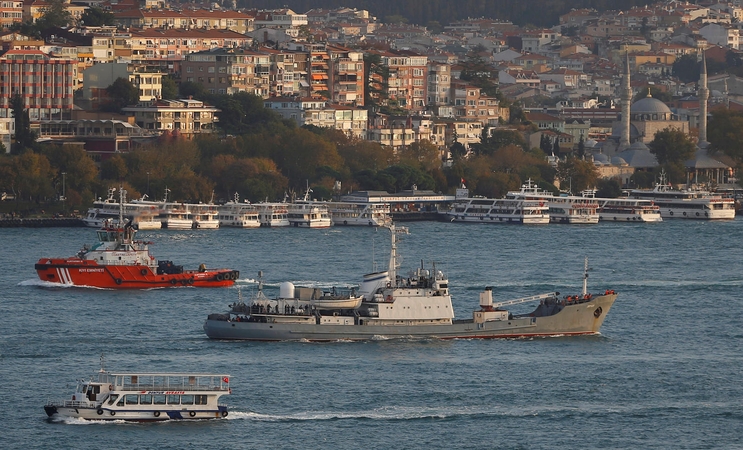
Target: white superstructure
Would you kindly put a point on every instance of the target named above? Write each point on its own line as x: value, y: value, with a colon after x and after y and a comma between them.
x: 686, y: 204
x: 562, y: 209
x: 236, y: 214
x: 358, y: 213
x: 142, y: 396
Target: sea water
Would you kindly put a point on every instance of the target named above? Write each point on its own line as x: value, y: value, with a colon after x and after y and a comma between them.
x: 664, y: 373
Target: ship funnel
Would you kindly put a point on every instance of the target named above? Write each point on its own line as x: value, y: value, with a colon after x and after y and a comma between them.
x: 486, y: 297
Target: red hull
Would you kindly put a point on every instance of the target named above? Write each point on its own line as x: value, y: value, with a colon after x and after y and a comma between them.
x: 78, y: 272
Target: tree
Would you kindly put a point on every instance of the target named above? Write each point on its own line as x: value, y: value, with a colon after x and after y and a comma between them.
x: 55, y: 15
x: 423, y: 154
x: 120, y: 93
x: 725, y: 133
x: 24, y: 137
x: 96, y: 17
x: 687, y: 68
x: 169, y: 88
x: 672, y: 146
x: 576, y: 174
x: 581, y: 148
x: 376, y: 81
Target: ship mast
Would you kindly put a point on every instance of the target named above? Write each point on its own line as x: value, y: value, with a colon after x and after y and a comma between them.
x: 393, y: 265
x: 585, y: 277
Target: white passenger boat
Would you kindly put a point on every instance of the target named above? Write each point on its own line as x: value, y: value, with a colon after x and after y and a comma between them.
x: 143, y: 214
x: 502, y: 210
x: 562, y: 209
x: 363, y: 214
x: 145, y: 397
x: 236, y: 214
x: 625, y: 209
x: 204, y: 216
x: 176, y: 216
x: 686, y: 204
x: 308, y: 214
x: 273, y: 214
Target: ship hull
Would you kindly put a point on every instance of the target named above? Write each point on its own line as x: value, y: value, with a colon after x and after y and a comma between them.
x: 581, y: 319
x: 142, y: 415
x: 78, y: 272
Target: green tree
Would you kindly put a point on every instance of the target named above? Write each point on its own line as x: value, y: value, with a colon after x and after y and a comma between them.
x: 121, y: 93
x: 687, y: 68
x: 55, y: 15
x: 423, y: 154
x: 24, y: 137
x: 97, y: 17
x: 608, y: 188
x: 725, y: 133
x: 577, y: 175
x: 169, y: 88
x: 672, y: 146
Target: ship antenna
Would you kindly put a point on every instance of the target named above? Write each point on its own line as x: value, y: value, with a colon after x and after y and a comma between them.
x: 585, y: 277
x: 102, y: 364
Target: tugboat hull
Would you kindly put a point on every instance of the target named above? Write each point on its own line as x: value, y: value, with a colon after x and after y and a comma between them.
x: 79, y: 272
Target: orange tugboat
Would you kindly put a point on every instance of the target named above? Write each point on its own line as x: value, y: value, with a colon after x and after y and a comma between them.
x: 118, y: 261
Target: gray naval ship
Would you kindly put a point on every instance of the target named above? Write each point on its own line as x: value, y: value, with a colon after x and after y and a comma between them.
x: 387, y: 305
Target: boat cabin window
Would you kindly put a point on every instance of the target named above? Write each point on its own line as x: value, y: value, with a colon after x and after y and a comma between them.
x: 83, y: 388
x: 132, y: 399
x: 121, y: 401
x: 113, y: 398
x: 145, y: 399
x: 174, y: 399
x: 158, y: 399
x: 186, y: 399
x: 200, y: 399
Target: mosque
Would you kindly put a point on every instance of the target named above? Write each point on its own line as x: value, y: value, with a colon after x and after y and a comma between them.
x: 647, y: 116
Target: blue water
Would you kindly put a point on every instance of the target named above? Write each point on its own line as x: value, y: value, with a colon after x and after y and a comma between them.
x: 665, y: 373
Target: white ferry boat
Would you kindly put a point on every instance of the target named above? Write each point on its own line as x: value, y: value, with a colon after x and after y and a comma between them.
x: 204, y: 216
x: 562, y: 209
x: 308, y: 214
x: 145, y: 397
x: 624, y: 209
x: 362, y: 214
x: 143, y: 214
x: 273, y: 214
x: 236, y: 214
x: 501, y: 210
x: 686, y: 204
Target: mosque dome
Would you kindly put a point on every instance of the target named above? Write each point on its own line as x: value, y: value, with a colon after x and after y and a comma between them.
x: 649, y: 105
x: 617, y: 161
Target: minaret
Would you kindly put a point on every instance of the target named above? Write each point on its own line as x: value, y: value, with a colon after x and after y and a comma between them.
x: 703, y: 94
x: 626, y: 105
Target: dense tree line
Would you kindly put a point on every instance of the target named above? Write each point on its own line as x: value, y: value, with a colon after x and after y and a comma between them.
x: 535, y: 12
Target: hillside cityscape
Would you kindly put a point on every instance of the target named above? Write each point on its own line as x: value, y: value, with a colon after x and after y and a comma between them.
x: 206, y: 100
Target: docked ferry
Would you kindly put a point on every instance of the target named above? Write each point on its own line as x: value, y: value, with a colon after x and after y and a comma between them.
x: 145, y: 397
x: 236, y: 214
x: 686, y: 204
x: 623, y: 209
x: 363, y: 214
x: 561, y: 209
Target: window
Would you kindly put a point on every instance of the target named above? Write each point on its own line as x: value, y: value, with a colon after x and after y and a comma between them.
x: 174, y: 399
x: 145, y: 399
x: 186, y: 399
x: 113, y: 398
x: 211, y: 69
x: 158, y: 399
x: 132, y: 399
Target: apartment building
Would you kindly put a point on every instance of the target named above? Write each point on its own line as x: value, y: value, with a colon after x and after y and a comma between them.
x: 11, y: 12
x: 185, y: 117
x: 45, y: 83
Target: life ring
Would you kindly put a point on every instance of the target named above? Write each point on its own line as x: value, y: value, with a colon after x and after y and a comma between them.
x: 113, y: 413
x: 192, y: 413
x: 117, y: 281
x: 670, y: 212
x: 143, y: 272
x: 345, y: 222
x: 224, y: 413
x: 697, y: 214
x: 190, y: 281
x: 156, y: 414
x: 389, y: 298
x: 219, y: 277
x: 173, y: 281
x: 371, y: 224
x: 110, y: 387
x: 99, y: 412
x: 684, y: 212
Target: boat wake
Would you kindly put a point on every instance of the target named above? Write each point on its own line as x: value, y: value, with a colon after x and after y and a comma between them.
x: 389, y: 413
x: 50, y: 285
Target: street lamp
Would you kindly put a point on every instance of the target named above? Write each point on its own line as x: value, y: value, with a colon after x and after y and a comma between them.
x: 64, y: 178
